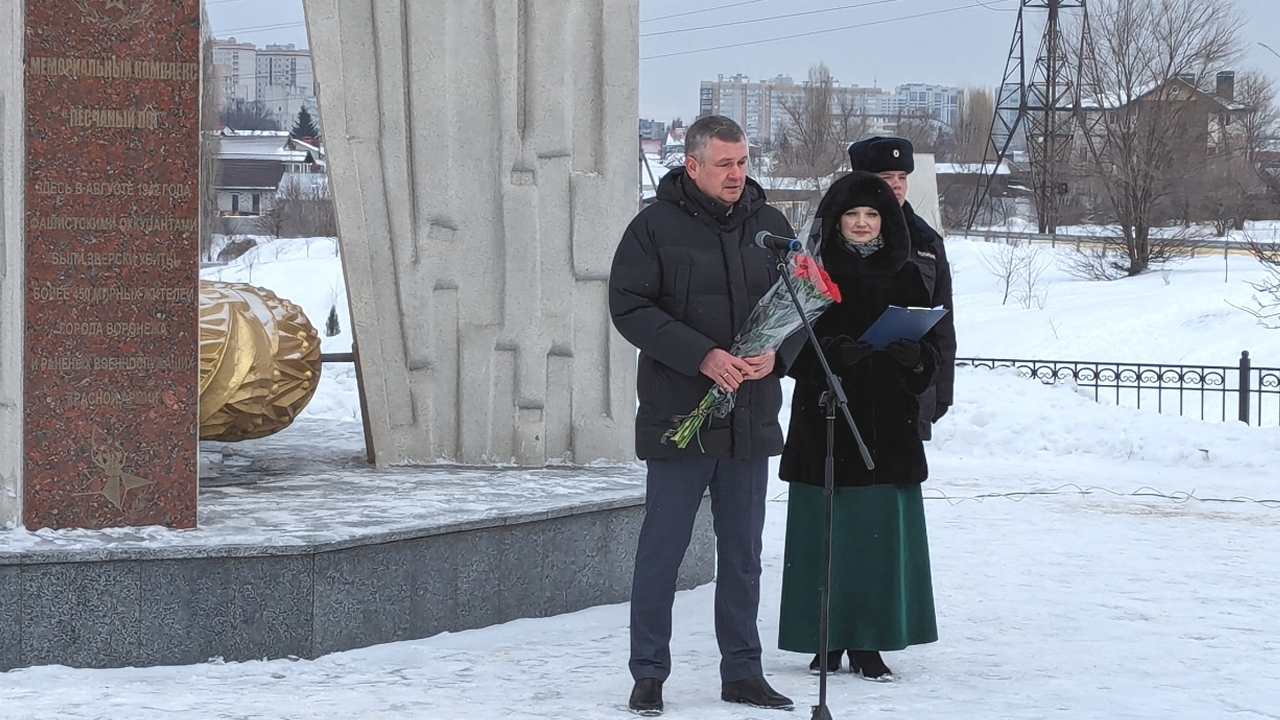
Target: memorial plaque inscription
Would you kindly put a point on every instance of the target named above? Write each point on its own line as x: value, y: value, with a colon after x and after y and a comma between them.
x: 111, y: 384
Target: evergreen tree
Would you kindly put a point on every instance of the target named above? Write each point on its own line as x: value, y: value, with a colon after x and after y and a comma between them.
x: 331, y: 326
x: 304, y: 127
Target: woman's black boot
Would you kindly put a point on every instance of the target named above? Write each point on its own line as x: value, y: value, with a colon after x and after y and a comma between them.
x: 870, y: 665
x: 833, y: 662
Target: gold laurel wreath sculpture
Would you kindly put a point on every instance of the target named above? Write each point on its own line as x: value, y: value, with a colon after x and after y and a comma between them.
x: 259, y: 361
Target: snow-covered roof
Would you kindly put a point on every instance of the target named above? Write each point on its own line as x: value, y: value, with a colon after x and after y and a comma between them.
x: 267, y: 145
x: 232, y: 132
x: 1112, y: 101
x: 972, y: 168
x: 790, y: 183
x: 657, y: 170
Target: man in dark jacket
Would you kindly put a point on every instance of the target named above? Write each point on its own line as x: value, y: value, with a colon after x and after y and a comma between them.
x: 685, y: 277
x: 893, y: 159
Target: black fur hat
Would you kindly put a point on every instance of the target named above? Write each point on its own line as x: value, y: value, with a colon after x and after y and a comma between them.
x: 882, y: 154
x: 863, y: 189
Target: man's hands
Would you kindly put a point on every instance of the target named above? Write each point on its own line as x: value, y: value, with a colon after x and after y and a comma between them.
x: 761, y: 364
x: 730, y: 372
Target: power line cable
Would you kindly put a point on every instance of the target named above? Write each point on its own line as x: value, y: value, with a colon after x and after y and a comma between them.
x: 771, y: 18
x: 811, y: 33
x: 259, y: 28
x: 694, y: 12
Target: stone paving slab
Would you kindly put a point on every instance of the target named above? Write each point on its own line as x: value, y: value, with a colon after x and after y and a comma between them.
x: 308, y: 489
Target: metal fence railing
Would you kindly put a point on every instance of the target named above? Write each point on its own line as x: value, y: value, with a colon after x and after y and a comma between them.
x: 1212, y: 392
x: 1192, y: 244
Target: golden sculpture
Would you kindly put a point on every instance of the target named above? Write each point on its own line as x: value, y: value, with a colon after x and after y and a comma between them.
x: 259, y: 361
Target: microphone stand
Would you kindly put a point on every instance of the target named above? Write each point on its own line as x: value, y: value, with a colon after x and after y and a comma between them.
x: 832, y: 399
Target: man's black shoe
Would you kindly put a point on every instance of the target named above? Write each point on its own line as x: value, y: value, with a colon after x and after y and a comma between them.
x: 646, y: 697
x: 756, y: 693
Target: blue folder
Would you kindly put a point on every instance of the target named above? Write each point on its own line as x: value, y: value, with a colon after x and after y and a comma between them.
x: 901, y: 323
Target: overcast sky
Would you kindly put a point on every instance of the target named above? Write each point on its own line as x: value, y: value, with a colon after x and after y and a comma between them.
x: 866, y: 42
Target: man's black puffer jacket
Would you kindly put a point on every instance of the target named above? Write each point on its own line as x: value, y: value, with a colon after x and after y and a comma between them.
x: 685, y: 277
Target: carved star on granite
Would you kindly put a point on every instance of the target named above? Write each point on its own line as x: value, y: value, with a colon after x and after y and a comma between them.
x: 118, y: 483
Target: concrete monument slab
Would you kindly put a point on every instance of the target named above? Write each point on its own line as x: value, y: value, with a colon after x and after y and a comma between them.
x: 10, y: 263
x: 922, y: 191
x: 483, y: 162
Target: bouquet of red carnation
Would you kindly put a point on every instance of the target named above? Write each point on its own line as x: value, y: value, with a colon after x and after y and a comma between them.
x: 773, y: 320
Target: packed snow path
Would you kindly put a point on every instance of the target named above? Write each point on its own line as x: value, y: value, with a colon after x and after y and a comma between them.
x: 1072, y: 606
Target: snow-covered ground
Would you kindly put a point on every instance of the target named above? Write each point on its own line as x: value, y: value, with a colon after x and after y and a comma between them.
x: 1188, y: 312
x: 1090, y: 561
x: 1263, y: 231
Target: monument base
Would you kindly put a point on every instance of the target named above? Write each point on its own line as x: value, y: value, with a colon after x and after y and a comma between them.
x: 303, y: 549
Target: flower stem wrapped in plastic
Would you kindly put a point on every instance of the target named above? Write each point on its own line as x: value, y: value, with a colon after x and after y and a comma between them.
x: 772, y: 321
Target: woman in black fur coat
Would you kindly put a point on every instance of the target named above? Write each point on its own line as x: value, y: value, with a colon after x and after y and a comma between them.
x: 881, y: 593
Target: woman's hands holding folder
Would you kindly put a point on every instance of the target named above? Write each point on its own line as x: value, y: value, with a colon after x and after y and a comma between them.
x: 844, y: 351
x: 905, y: 352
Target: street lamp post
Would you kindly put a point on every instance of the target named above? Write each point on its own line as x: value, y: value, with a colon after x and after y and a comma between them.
x: 1269, y: 49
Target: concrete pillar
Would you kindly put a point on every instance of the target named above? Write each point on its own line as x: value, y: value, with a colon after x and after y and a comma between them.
x: 922, y: 191
x: 11, y: 191
x: 483, y: 159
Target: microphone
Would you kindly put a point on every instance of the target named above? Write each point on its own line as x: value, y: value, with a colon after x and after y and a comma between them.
x: 769, y: 241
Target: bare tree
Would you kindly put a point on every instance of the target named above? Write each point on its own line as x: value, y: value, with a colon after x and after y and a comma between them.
x: 1266, y: 297
x: 924, y: 131
x: 1225, y: 193
x: 1256, y: 92
x: 967, y: 142
x: 850, y: 124
x: 1102, y: 261
x: 300, y: 211
x: 246, y: 115
x: 208, y: 145
x: 1019, y: 267
x: 1150, y: 127
x: 968, y: 139
x: 1004, y: 264
x: 820, y: 123
x: 1030, y: 292
x: 269, y: 223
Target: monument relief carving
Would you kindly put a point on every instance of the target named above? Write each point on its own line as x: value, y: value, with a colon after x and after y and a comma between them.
x: 113, y: 482
x: 115, y: 13
x: 480, y: 192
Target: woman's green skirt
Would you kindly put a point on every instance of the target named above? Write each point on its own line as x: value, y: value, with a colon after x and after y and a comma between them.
x: 881, y: 590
